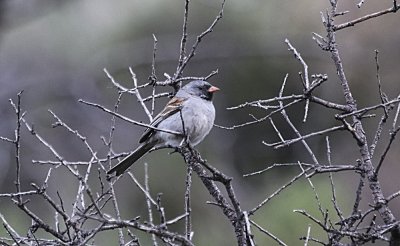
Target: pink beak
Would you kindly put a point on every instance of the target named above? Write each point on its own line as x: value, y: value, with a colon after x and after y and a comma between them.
x: 213, y: 89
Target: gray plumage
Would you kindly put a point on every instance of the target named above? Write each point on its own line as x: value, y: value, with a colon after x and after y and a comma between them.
x: 194, y: 100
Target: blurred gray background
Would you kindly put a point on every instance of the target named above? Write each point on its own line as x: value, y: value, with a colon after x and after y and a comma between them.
x: 56, y: 51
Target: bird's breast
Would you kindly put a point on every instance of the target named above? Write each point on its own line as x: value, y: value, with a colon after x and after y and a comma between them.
x: 197, y: 118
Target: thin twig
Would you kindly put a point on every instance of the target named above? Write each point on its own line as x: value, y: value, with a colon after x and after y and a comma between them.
x: 333, y: 187
x: 285, y: 143
x: 275, y: 238
x: 183, y: 64
x: 126, y: 118
x: 366, y: 17
x: 139, y: 97
x: 188, y: 207
x: 279, y: 190
x: 148, y: 202
x: 17, y: 143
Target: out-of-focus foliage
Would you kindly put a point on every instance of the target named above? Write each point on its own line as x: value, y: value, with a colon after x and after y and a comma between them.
x: 55, y: 51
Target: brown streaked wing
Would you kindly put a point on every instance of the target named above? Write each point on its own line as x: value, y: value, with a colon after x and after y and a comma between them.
x: 171, y: 108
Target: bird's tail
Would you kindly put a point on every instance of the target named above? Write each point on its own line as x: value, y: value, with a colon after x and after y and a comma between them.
x: 130, y: 159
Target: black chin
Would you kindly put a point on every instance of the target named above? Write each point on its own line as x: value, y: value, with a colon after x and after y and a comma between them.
x: 207, y: 96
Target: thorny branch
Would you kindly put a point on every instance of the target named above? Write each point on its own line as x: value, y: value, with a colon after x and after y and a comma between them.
x: 351, y: 118
x: 91, y: 203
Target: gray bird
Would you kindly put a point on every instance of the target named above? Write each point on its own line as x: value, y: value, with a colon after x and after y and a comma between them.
x: 192, y: 104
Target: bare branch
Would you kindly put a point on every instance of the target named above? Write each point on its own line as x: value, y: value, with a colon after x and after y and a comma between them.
x: 285, y: 143
x: 17, y: 143
x: 126, y: 118
x: 182, y: 64
x: 280, y: 242
x: 188, y: 209
x: 279, y: 190
x: 367, y: 17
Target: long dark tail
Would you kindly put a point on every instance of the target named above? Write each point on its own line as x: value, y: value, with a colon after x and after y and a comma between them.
x: 130, y: 159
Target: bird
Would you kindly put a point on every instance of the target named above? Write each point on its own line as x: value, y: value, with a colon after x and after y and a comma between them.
x: 190, y: 112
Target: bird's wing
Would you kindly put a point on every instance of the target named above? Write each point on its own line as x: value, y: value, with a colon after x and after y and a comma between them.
x: 172, y: 107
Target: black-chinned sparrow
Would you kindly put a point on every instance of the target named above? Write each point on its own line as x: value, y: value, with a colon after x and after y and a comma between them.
x: 191, y: 105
